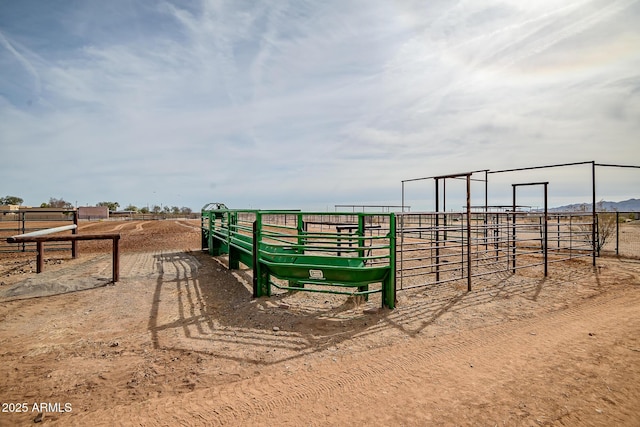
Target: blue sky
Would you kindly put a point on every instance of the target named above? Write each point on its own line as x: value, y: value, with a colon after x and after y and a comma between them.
x: 307, y: 104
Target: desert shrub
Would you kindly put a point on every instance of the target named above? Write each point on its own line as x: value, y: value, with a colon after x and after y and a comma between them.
x: 605, y: 222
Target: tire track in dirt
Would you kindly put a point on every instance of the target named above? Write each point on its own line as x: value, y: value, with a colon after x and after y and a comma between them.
x: 120, y: 227
x: 495, y: 340
x: 87, y: 225
x: 139, y: 226
x: 193, y: 227
x: 136, y: 225
x: 253, y: 399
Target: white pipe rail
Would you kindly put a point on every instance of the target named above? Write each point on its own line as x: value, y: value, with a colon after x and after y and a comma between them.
x: 46, y: 231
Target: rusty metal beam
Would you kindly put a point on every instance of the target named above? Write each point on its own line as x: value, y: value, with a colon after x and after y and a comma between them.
x: 40, y: 239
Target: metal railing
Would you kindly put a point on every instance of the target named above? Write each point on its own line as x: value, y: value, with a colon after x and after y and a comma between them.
x: 619, y: 234
x: 340, y: 253
x: 25, y: 221
x: 437, y: 248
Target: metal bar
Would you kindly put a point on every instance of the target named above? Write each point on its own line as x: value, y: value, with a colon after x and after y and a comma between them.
x: 469, y: 233
x: 40, y: 257
x: 256, y: 246
x: 541, y: 167
x: 486, y: 208
x: 41, y: 239
x: 74, y: 243
x: 446, y: 176
x: 401, y: 242
x: 617, y: 232
x: 617, y: 166
x: 391, y: 293
x: 437, y: 181
x: 115, y: 261
x: 513, y: 225
x: 546, y: 226
x: 593, y: 210
x: 23, y: 229
x: 71, y: 238
x: 46, y: 231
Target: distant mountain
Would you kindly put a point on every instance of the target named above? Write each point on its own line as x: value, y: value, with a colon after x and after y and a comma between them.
x: 631, y: 205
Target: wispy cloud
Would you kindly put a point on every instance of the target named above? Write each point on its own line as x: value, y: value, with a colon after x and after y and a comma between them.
x: 300, y: 101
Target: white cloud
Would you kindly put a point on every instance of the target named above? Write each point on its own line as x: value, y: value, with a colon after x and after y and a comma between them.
x: 303, y: 102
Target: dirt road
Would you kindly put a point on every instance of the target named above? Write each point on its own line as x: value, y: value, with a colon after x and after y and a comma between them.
x: 180, y: 341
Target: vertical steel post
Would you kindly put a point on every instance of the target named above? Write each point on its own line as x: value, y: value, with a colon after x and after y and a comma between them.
x: 256, y: 270
x: 469, y: 233
x: 593, y: 211
x: 513, y: 227
x: 361, y: 251
x: 570, y: 236
x: 402, y: 238
x: 437, y: 229
x: 23, y: 229
x: 617, y: 232
x: 546, y: 226
x: 486, y: 208
x: 463, y: 225
x: 74, y: 243
x: 444, y: 209
x: 389, y: 293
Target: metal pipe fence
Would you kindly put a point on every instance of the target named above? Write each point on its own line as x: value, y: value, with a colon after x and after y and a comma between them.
x: 13, y: 223
x: 331, y: 252
x: 437, y: 248
x: 619, y: 234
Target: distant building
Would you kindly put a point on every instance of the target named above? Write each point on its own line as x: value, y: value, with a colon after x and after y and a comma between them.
x: 122, y: 214
x: 9, y: 212
x: 93, y: 212
x: 9, y: 207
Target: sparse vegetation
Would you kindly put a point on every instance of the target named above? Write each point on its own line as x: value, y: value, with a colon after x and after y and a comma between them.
x: 113, y: 206
x: 11, y: 200
x: 57, y: 203
x: 606, y: 225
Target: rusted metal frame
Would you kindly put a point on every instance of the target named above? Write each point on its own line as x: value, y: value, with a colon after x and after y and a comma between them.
x: 617, y: 166
x: 467, y: 177
x: 565, y: 235
x: 546, y: 219
x: 74, y: 243
x: 542, y: 167
x: 469, y: 233
x: 486, y: 208
x: 40, y: 247
x: 594, y: 229
x: 593, y: 164
x: 617, y: 233
x: 454, y: 175
x: 437, y: 179
x: 437, y: 226
x: 23, y: 230
x: 593, y: 186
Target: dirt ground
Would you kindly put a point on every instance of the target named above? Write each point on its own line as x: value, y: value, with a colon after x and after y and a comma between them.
x: 179, y: 341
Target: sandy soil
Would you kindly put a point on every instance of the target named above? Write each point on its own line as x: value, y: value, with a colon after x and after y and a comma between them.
x: 179, y: 340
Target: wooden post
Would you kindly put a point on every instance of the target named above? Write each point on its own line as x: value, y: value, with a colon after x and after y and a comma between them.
x: 74, y: 243
x: 116, y: 259
x: 40, y: 257
x: 40, y: 239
